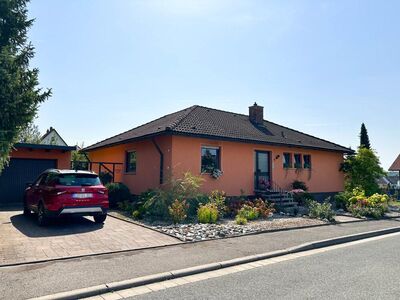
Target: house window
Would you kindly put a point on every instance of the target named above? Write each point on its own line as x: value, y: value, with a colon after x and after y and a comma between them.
x: 287, y: 160
x: 130, y: 163
x: 210, y: 159
x: 297, y: 161
x: 307, y: 161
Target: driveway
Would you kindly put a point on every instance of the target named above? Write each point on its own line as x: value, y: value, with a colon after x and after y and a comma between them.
x: 21, y: 240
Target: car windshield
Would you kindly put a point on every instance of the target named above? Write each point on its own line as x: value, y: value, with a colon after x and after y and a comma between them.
x: 77, y: 179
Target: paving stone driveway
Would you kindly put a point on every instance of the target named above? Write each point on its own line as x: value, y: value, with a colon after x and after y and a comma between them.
x: 21, y: 240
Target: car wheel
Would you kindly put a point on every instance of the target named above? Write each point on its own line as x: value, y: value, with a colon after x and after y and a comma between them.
x: 41, y: 216
x: 99, y: 219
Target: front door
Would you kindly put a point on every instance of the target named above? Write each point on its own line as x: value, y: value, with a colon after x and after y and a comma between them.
x: 262, y: 170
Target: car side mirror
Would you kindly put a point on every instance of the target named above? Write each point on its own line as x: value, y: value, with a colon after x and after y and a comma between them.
x: 29, y: 184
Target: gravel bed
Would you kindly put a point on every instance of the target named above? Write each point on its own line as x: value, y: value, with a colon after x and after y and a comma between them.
x: 226, y: 227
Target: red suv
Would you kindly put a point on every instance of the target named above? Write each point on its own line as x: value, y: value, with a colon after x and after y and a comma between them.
x: 66, y: 192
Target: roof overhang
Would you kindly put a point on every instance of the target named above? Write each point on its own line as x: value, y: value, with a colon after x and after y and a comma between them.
x: 212, y: 137
x: 44, y: 147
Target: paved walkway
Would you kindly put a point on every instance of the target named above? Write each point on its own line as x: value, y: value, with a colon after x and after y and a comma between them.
x: 85, y: 272
x: 22, y: 240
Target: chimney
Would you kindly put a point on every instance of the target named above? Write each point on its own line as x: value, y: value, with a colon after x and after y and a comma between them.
x: 256, y: 114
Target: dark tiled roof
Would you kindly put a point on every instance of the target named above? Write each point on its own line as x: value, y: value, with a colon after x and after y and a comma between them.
x: 396, y: 164
x: 212, y: 123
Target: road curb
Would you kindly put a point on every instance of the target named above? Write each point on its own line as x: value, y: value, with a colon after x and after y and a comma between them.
x: 140, y: 281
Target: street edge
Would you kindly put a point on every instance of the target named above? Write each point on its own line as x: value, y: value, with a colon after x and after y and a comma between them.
x: 140, y: 281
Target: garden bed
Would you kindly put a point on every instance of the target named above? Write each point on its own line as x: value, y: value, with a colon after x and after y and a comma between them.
x: 224, y: 228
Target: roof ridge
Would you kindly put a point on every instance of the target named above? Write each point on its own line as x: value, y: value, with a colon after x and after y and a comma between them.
x: 114, y: 136
x: 183, y: 117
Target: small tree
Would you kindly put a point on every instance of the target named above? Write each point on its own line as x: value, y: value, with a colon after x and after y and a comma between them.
x: 30, y: 134
x: 364, y: 139
x: 20, y: 94
x: 362, y: 170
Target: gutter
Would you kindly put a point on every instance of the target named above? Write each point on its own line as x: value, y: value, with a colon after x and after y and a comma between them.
x: 213, y: 137
x: 161, y: 160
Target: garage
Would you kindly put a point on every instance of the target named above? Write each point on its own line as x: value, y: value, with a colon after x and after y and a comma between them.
x: 26, y: 163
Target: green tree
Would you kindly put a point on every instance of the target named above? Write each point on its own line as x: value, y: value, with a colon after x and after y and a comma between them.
x: 30, y: 134
x: 78, y: 158
x: 20, y: 94
x: 364, y: 138
x: 362, y: 170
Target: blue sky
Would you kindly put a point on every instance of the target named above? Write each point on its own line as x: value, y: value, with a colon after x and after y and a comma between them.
x: 322, y: 67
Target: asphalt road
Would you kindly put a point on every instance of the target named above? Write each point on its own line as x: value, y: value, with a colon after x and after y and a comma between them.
x: 27, y: 281
x: 366, y: 271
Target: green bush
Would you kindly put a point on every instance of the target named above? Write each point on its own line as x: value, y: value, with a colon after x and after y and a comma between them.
x: 375, y: 206
x: 299, y: 185
x: 363, y: 170
x: 158, y: 201
x: 240, y: 220
x: 341, y: 199
x: 301, y: 196
x: 195, y: 203
x: 105, y: 178
x: 322, y: 211
x: 264, y: 209
x: 136, y: 214
x: 207, y: 213
x: 117, y: 192
x: 178, y: 211
x: 126, y: 206
x: 248, y: 212
x: 218, y: 199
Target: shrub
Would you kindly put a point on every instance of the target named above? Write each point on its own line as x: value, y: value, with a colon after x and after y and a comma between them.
x: 234, y: 206
x: 301, y: 196
x: 363, y: 170
x: 136, y: 214
x: 126, y: 206
x: 157, y: 202
x: 207, y: 213
x: 178, y: 211
x: 117, y: 192
x: 264, y: 209
x: 218, y: 199
x: 248, y: 212
x: 240, y: 220
x: 322, y: 211
x: 105, y: 178
x: 299, y: 185
x: 195, y: 203
x: 341, y: 200
x: 359, y: 205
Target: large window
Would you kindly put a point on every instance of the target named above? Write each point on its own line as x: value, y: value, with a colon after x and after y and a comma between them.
x: 307, y: 161
x: 297, y: 161
x: 130, y: 163
x: 210, y: 159
x: 287, y: 160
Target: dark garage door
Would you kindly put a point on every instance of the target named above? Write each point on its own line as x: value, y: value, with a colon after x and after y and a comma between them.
x: 13, y: 179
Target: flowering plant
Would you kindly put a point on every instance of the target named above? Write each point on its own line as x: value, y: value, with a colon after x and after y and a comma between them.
x: 216, y: 173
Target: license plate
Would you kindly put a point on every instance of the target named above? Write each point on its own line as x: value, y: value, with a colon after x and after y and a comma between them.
x: 82, y: 195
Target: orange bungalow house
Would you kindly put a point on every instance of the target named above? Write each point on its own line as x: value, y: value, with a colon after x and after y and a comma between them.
x: 245, y: 152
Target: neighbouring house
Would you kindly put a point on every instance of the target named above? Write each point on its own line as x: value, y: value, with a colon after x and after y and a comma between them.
x: 52, y: 137
x: 395, y: 167
x: 233, y: 152
x: 27, y: 161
